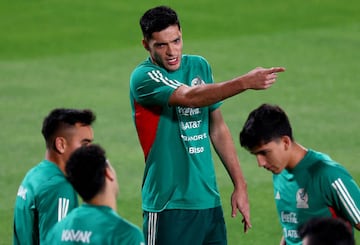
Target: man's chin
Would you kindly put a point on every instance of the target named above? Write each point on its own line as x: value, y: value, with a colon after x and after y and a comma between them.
x: 172, y: 67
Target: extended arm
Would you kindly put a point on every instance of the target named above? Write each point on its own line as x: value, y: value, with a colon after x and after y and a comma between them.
x: 225, y: 148
x: 205, y: 95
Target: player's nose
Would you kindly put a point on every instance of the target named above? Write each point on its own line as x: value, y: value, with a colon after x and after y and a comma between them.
x: 261, y: 161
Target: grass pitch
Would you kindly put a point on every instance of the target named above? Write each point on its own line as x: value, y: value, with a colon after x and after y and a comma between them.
x: 77, y: 54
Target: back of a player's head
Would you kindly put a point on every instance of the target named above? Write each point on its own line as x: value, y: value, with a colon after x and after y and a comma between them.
x: 158, y: 19
x: 61, y: 118
x: 86, y: 169
x: 264, y: 124
x: 326, y: 231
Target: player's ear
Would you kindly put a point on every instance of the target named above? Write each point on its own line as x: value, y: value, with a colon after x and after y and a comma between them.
x: 287, y: 142
x: 109, y: 173
x: 145, y: 44
x: 60, y: 144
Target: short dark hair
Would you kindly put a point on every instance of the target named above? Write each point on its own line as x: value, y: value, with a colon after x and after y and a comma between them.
x: 327, y: 231
x: 264, y: 124
x: 63, y: 118
x: 85, y: 170
x: 158, y: 19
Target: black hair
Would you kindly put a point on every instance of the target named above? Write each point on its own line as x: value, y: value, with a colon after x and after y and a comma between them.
x: 62, y: 118
x: 158, y: 19
x: 85, y: 170
x: 264, y: 124
x: 327, y: 231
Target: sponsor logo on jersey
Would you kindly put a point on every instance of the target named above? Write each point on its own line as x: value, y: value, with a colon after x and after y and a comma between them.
x: 76, y: 236
x: 302, y: 199
x: 22, y: 192
x: 196, y: 150
x: 288, y: 217
x: 63, y: 207
x: 290, y: 233
x: 194, y: 137
x: 187, y: 111
x: 190, y: 125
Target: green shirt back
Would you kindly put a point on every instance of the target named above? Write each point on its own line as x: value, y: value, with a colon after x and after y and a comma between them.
x: 90, y: 224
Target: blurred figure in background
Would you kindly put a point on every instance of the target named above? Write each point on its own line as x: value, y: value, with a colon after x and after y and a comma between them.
x: 96, y: 220
x: 45, y: 196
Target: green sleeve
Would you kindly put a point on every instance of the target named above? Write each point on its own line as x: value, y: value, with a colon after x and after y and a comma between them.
x: 342, y: 193
x: 25, y: 231
x: 150, y: 86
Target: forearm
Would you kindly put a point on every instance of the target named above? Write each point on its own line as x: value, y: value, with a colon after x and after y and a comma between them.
x: 208, y: 94
x: 205, y: 95
x: 225, y: 148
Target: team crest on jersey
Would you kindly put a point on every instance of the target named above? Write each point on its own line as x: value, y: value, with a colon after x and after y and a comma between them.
x: 302, y: 199
x: 197, y: 81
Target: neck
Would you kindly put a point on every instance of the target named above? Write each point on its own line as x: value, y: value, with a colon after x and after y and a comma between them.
x: 104, y: 199
x: 298, y: 152
x: 56, y: 159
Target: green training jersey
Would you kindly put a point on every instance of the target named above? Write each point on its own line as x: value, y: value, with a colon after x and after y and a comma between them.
x: 90, y: 224
x: 179, y: 171
x: 44, y: 198
x: 316, y: 187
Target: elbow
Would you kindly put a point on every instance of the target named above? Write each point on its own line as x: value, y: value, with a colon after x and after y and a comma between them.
x: 357, y: 226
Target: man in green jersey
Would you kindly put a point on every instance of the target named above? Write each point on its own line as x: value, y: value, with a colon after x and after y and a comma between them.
x: 45, y: 196
x: 176, y: 111
x: 96, y: 220
x: 307, y: 183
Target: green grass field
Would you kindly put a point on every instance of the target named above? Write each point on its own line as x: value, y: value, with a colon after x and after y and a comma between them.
x: 80, y: 54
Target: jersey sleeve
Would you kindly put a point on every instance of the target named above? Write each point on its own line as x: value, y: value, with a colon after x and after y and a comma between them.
x: 342, y: 193
x: 24, y: 216
x: 55, y: 201
x: 210, y: 79
x: 151, y: 86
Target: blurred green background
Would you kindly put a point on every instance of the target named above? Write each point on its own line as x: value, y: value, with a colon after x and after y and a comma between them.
x: 81, y: 53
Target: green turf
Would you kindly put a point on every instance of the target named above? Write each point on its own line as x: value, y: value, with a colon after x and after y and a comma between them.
x: 80, y: 54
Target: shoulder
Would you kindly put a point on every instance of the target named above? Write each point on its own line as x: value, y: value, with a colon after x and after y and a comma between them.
x: 326, y: 170
x: 190, y: 59
x: 322, y: 164
x: 142, y: 69
x: 42, y: 175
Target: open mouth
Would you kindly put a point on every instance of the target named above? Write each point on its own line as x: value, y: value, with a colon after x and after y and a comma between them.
x: 173, y: 61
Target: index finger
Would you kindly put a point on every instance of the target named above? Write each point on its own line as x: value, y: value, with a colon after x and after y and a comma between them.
x: 276, y: 69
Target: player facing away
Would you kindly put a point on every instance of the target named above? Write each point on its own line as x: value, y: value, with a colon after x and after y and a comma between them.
x: 96, y: 220
x: 326, y: 231
x: 307, y: 183
x: 45, y: 196
x: 176, y: 110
